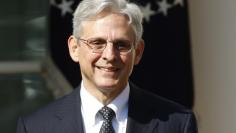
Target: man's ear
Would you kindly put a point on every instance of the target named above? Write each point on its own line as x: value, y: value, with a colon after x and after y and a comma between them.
x: 139, y: 51
x: 73, y: 48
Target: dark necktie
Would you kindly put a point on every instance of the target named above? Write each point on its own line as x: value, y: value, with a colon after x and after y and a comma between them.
x: 107, y: 114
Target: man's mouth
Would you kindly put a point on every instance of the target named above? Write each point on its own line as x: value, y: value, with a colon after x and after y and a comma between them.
x: 108, y: 69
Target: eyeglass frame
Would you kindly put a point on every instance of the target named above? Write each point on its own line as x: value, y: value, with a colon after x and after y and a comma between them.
x: 92, y: 46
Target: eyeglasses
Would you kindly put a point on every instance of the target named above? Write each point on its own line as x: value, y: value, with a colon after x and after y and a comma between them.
x: 98, y: 45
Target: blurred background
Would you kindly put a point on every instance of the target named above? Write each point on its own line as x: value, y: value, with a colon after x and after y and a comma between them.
x: 28, y: 77
x: 189, y: 57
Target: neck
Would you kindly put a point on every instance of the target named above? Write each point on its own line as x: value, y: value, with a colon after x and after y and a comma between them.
x: 105, y: 96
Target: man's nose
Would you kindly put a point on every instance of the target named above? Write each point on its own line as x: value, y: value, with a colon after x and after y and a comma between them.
x: 110, y: 53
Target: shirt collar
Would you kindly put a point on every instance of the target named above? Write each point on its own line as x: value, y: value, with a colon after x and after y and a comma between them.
x: 120, y: 104
x: 90, y: 105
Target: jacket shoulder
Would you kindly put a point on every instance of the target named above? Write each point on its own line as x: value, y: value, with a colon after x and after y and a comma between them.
x: 160, y: 114
x: 51, y: 113
x: 155, y: 101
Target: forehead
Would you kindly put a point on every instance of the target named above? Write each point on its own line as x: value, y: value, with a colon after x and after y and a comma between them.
x: 108, y: 25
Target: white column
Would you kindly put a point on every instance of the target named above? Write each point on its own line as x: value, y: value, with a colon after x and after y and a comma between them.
x: 213, y: 35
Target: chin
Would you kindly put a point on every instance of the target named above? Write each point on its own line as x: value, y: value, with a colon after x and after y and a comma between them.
x: 107, y: 84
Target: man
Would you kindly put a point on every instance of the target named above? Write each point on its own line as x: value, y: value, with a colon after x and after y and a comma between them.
x: 107, y: 43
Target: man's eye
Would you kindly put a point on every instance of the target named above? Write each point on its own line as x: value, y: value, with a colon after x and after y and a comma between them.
x: 97, y: 42
x: 122, y: 44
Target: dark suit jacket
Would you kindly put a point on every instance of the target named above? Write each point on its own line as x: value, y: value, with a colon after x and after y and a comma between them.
x: 147, y: 113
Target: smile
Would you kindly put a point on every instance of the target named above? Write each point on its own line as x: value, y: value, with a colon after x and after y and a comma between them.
x: 108, y: 69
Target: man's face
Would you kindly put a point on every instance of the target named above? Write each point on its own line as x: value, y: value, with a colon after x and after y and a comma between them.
x: 107, y: 71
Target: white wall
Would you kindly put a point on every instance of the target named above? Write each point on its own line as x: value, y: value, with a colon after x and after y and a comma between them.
x: 213, y: 34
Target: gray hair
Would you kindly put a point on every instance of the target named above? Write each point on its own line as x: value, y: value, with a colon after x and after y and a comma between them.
x: 90, y: 8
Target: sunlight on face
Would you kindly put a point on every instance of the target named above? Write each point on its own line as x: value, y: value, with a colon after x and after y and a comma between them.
x: 109, y: 70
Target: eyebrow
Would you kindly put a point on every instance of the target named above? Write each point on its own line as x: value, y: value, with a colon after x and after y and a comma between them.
x: 117, y: 39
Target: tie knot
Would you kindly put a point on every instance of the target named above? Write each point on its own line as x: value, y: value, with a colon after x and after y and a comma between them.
x: 107, y: 113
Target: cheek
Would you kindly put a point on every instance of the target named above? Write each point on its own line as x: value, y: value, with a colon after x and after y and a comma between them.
x: 87, y: 60
x: 128, y: 62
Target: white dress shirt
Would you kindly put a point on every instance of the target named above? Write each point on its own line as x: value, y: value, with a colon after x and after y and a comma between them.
x: 93, y: 120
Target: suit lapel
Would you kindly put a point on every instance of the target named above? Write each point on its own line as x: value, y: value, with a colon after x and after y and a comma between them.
x: 140, y: 114
x: 133, y: 124
x: 69, y: 114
